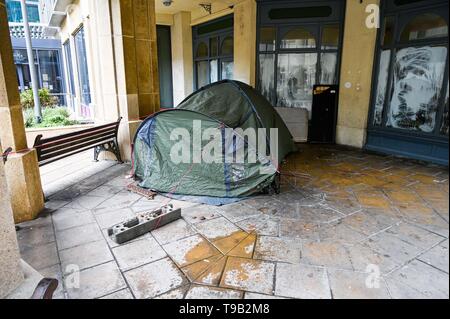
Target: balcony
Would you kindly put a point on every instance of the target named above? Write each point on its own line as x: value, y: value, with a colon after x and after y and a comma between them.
x: 54, y: 11
x: 37, y: 30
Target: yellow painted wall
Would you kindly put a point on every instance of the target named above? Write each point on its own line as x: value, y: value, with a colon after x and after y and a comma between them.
x: 356, y: 75
x: 245, y: 41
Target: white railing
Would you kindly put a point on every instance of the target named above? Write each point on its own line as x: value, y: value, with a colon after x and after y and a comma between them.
x: 37, y: 30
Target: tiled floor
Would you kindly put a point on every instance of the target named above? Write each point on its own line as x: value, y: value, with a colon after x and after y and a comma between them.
x: 346, y: 225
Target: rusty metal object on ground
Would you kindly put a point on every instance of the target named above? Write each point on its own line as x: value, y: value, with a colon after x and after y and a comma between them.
x: 147, y: 193
x: 5, y: 154
x: 143, y: 223
x: 45, y: 289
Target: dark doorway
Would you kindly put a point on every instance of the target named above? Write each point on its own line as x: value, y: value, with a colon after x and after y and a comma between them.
x: 324, y: 114
x: 165, y: 66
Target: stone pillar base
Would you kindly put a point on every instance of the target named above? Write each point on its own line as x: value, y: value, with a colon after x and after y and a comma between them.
x: 11, y: 275
x: 24, y: 184
x: 127, y: 130
x: 350, y: 136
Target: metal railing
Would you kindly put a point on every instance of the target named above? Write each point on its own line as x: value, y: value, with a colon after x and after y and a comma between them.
x: 37, y: 30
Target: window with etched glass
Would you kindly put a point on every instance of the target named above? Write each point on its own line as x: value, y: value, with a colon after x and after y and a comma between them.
x: 292, y: 59
x: 409, y: 90
x: 213, y: 51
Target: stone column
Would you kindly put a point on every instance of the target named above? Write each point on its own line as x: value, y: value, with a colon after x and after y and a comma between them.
x: 182, y: 65
x: 356, y: 75
x: 126, y: 61
x: 11, y: 275
x: 22, y: 171
x: 245, y: 42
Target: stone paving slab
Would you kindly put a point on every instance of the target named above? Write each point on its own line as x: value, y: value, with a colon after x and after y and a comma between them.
x: 154, y: 279
x: 310, y: 282
x: 97, y: 282
x: 248, y: 274
x: 85, y: 256
x: 431, y: 282
x: 327, y: 254
x: 437, y: 257
x: 138, y: 253
x: 190, y: 250
x: 352, y: 285
x: 70, y: 220
x: 174, y: 231
x: 41, y: 256
x: 78, y: 236
x: 278, y: 249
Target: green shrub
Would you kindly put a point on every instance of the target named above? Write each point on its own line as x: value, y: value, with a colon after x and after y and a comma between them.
x: 45, y: 98
x: 51, y: 117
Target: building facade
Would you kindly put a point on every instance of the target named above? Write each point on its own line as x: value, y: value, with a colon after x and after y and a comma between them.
x: 389, y: 59
x: 46, y: 50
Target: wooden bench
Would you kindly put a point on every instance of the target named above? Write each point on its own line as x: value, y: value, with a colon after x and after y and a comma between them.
x: 101, y: 138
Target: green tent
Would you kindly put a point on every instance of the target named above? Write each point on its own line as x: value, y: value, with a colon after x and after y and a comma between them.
x: 212, y: 144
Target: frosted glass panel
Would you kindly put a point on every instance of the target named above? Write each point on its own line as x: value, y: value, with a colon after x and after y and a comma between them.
x: 444, y: 126
x: 202, y: 74
x: 227, y: 70
x: 296, y: 76
x: 266, y: 76
x: 383, y: 74
x: 299, y: 38
x: 417, y: 82
x: 213, y: 71
x: 328, y: 62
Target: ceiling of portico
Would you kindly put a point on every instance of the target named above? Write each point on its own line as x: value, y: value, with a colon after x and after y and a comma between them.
x: 193, y: 6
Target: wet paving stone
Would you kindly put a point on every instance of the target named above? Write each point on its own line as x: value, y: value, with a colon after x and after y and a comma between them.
x: 248, y: 274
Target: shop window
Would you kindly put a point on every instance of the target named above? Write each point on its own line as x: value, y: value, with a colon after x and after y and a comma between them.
x: 380, y: 94
x: 425, y: 26
x: 417, y: 82
x: 213, y: 44
x: 444, y: 125
x: 202, y: 50
x: 298, y: 38
x: 267, y: 76
x: 298, y: 47
x: 267, y: 39
x: 388, y: 31
x: 227, y: 46
x: 213, y: 60
x: 330, y: 37
x: 296, y: 77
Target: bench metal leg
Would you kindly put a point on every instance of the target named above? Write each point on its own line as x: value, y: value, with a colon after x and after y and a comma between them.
x: 111, y: 147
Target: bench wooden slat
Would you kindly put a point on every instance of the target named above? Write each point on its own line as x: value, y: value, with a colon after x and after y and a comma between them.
x: 42, y: 163
x: 77, y: 133
x: 101, y: 138
x: 57, y: 152
x: 73, y: 142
